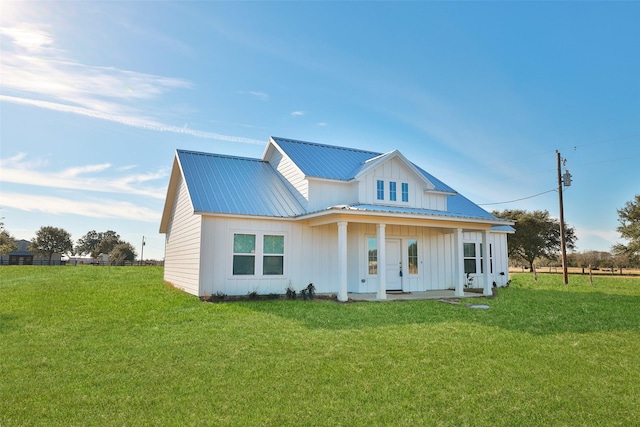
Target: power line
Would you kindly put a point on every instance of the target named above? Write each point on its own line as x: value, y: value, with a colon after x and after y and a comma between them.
x: 517, y: 200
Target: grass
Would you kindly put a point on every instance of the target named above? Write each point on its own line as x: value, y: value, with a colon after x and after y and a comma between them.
x: 115, y: 346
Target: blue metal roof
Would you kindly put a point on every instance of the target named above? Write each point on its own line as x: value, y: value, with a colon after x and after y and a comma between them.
x: 333, y: 162
x: 236, y: 185
x: 245, y: 186
x: 325, y: 161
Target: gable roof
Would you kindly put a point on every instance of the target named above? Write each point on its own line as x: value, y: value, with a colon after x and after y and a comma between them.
x: 222, y: 184
x: 344, y: 164
x: 324, y: 161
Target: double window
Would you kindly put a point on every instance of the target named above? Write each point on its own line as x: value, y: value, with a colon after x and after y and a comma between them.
x: 473, y: 257
x: 270, y: 254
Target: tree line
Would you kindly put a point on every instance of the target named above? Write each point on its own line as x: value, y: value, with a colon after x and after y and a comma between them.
x: 537, y: 239
x: 53, y: 240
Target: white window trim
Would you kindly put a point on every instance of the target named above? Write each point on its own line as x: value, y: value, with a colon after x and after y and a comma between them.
x: 259, y: 255
x: 406, y: 245
x: 366, y: 256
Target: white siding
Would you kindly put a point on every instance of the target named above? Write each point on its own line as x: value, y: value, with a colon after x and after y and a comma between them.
x: 310, y: 256
x: 182, y: 244
x: 299, y: 186
x: 323, y: 194
x: 396, y: 170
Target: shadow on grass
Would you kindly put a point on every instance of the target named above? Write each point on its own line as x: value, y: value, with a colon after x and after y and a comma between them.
x: 540, y: 312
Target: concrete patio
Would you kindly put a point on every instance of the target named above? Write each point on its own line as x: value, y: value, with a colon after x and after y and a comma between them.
x: 412, y: 296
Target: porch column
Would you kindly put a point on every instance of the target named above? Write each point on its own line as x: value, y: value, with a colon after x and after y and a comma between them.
x: 342, y: 261
x: 382, y: 263
x: 485, y: 264
x: 458, y: 275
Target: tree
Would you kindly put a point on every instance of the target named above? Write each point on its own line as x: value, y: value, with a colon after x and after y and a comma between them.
x: 629, y: 229
x: 51, y: 240
x: 122, y: 252
x: 537, y: 235
x: 7, y: 242
x: 94, y: 243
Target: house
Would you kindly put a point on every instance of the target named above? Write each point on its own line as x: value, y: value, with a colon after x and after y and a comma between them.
x: 344, y: 219
x: 22, y: 256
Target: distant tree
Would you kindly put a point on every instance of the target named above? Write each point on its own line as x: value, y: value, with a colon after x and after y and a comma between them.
x: 51, y: 240
x: 537, y: 235
x: 122, y: 252
x: 7, y: 242
x: 629, y: 229
x: 94, y: 243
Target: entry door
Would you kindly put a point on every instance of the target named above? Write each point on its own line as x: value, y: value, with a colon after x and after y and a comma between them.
x: 394, y: 280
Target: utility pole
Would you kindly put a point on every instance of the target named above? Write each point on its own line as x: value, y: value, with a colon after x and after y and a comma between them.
x: 563, y: 242
x: 142, y: 251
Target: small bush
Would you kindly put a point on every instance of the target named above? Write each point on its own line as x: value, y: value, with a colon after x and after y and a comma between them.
x: 291, y: 293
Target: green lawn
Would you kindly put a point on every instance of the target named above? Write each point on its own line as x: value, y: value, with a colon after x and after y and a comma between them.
x: 115, y: 346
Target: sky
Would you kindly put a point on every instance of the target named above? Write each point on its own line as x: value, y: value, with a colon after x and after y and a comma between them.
x: 95, y: 97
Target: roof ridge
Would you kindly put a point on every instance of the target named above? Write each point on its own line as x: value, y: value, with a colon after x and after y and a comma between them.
x: 317, y: 144
x: 226, y: 156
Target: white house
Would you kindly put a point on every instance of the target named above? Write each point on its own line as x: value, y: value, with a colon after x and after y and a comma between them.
x: 346, y: 220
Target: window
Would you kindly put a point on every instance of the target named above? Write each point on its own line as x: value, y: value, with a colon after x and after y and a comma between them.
x: 413, y: 256
x: 273, y: 255
x: 380, y: 189
x: 490, y: 259
x: 469, y: 258
x: 244, y: 249
x: 405, y: 192
x: 372, y: 245
x: 392, y: 191
x: 250, y: 257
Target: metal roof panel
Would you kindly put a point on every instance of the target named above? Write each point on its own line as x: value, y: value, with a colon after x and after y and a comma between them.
x: 236, y: 185
x: 325, y: 161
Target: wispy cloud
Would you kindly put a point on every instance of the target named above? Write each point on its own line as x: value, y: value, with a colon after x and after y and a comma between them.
x: 297, y: 113
x: 15, y: 170
x: 99, y: 208
x: 322, y: 124
x: 262, y: 96
x: 37, y: 74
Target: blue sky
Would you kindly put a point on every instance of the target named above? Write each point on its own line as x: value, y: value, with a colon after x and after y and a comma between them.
x: 95, y: 98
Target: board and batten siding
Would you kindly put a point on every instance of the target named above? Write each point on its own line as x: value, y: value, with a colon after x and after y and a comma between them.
x: 395, y: 170
x: 182, y: 244
x: 310, y: 256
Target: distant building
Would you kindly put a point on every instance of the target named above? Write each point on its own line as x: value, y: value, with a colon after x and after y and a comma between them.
x: 22, y: 256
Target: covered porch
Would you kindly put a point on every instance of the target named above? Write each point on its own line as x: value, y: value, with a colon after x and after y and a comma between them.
x: 349, y: 221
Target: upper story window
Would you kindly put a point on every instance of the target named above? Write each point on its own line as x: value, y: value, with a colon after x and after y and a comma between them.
x: 392, y: 191
x: 380, y: 189
x: 405, y: 192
